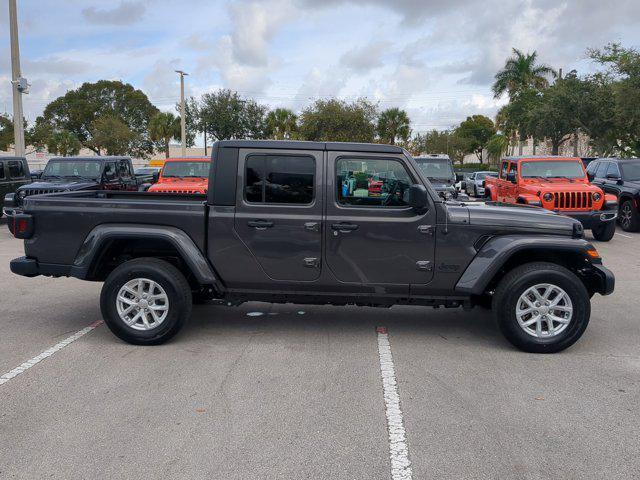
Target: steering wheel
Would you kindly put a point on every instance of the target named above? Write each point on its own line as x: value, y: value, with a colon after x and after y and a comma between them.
x: 391, y: 193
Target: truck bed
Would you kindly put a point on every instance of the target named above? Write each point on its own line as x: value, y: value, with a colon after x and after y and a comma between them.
x: 65, y: 219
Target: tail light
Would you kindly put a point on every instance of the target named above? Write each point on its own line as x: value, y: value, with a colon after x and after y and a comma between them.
x: 20, y: 225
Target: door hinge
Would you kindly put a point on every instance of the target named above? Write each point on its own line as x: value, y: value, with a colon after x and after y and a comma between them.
x: 312, y: 262
x: 424, y: 265
x: 426, y: 229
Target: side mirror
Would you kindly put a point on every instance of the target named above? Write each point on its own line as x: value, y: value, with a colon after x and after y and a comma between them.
x: 511, y: 177
x: 418, y: 197
x: 590, y: 177
x: 155, y: 176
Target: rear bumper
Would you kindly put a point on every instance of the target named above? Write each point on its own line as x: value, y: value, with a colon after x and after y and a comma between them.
x: 29, y: 267
x: 591, y: 219
x: 606, y: 280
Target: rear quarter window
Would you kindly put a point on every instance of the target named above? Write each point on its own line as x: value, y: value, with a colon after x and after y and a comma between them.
x: 16, y: 169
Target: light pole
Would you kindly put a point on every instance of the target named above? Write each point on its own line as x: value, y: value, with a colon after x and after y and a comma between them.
x: 183, y: 118
x: 19, y: 84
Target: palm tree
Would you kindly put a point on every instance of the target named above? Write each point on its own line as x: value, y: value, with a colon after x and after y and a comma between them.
x: 496, y: 147
x: 393, y: 125
x: 281, y: 123
x: 164, y: 126
x: 521, y: 73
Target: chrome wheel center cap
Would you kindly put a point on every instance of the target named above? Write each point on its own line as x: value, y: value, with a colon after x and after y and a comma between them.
x: 143, y: 303
x: 543, y: 310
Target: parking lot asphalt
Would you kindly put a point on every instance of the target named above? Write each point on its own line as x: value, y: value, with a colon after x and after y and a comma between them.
x: 294, y: 392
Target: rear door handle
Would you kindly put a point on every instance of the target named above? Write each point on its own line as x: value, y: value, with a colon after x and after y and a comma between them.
x: 260, y: 224
x: 344, y: 227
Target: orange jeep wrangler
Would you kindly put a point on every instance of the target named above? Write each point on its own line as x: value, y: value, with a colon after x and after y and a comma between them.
x: 183, y: 175
x: 559, y: 184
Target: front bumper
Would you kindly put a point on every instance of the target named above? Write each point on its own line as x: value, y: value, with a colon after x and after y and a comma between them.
x: 591, y: 219
x: 606, y: 281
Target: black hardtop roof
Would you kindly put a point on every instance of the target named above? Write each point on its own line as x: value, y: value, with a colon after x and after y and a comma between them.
x: 105, y: 158
x: 540, y: 157
x: 608, y: 159
x: 304, y: 145
x: 12, y: 158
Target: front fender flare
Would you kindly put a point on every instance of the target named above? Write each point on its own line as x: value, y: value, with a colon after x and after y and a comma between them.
x: 97, y: 238
x: 497, y: 251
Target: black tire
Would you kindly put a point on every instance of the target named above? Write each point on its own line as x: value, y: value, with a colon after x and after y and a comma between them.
x: 475, y: 191
x: 605, y: 231
x: 487, y: 195
x: 516, y: 282
x: 629, y: 217
x: 177, y: 290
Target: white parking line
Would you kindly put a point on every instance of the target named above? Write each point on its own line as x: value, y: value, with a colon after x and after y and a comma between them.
x: 623, y: 235
x: 47, y: 353
x: 398, y: 448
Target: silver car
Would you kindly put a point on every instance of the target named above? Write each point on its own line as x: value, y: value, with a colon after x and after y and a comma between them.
x: 475, y: 183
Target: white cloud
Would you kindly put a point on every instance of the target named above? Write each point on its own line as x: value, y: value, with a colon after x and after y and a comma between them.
x: 126, y: 13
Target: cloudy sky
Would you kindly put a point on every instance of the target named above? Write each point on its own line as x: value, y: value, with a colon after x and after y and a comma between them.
x: 434, y: 58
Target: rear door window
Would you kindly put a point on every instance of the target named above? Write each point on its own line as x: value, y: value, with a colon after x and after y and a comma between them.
x: 288, y: 179
x: 504, y: 170
x: 16, y: 169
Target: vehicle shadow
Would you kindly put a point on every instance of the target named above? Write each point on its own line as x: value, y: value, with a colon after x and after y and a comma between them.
x: 476, y: 327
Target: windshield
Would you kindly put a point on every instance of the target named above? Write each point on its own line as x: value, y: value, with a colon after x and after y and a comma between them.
x: 435, y: 167
x: 630, y: 170
x: 551, y: 169
x: 186, y: 169
x: 142, y: 171
x: 73, y: 168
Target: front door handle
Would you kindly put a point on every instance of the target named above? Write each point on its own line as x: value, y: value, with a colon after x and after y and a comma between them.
x: 260, y: 224
x: 344, y: 227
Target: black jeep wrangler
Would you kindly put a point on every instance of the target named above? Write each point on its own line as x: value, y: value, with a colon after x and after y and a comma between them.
x: 318, y: 223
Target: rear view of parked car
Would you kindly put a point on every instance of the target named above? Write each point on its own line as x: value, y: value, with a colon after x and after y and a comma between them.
x: 14, y: 172
x: 620, y: 177
x: 475, y: 184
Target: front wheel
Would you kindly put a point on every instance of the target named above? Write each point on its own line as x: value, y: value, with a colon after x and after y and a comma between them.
x: 542, y: 307
x: 145, y: 301
x: 605, y: 231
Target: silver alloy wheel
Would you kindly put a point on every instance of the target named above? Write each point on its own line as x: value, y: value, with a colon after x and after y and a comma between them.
x: 544, y: 310
x: 625, y: 215
x: 142, y: 304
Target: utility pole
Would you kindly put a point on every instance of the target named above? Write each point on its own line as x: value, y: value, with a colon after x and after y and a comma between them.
x: 19, y: 84
x: 183, y: 117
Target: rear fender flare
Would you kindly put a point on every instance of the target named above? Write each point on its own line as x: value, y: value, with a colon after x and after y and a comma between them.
x: 90, y: 250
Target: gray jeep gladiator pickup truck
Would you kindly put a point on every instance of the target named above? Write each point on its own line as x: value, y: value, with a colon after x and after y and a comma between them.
x: 316, y: 223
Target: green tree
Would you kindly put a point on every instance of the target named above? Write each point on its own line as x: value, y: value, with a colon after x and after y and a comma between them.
x: 447, y: 142
x: 79, y: 109
x: 339, y: 121
x: 393, y: 126
x: 282, y: 124
x: 226, y: 115
x: 622, y: 80
x: 63, y: 143
x: 163, y: 127
x: 111, y: 135
x: 6, y: 132
x: 521, y: 73
x: 496, y: 147
x: 477, y: 130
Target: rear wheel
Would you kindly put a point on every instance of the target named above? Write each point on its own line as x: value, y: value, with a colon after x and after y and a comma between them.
x: 542, y: 307
x: 605, y: 231
x: 145, y: 301
x: 628, y: 217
